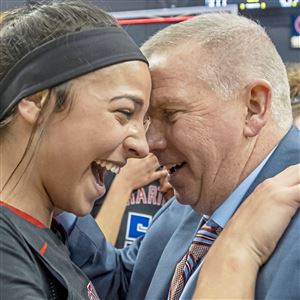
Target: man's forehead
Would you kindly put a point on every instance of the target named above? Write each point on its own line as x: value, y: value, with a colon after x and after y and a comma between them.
x: 175, y: 53
x: 166, y: 99
x: 166, y: 60
x: 157, y: 59
x: 174, y: 77
x: 165, y: 72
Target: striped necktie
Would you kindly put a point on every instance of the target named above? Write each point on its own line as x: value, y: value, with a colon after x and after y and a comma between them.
x: 203, y: 239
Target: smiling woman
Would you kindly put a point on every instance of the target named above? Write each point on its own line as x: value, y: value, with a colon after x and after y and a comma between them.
x: 74, y: 91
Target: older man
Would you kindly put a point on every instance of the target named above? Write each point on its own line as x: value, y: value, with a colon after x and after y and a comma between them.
x: 221, y: 123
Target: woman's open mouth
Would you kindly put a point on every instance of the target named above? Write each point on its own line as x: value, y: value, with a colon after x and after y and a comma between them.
x: 98, y: 172
x: 99, y: 167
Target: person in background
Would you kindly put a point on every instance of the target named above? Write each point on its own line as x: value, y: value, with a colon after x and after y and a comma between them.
x: 221, y: 123
x: 133, y: 197
x: 293, y: 71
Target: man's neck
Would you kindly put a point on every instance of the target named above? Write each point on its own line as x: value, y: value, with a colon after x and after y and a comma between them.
x: 269, y: 137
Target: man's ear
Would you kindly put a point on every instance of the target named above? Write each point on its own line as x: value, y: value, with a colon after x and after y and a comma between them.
x: 258, y: 102
x: 30, y: 107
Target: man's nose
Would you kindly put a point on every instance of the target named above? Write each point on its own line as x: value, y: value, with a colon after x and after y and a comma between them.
x: 155, y: 137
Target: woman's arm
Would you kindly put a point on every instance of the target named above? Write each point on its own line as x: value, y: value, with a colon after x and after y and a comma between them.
x: 231, y: 265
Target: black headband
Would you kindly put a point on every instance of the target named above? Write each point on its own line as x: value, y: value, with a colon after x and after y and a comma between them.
x: 64, y: 59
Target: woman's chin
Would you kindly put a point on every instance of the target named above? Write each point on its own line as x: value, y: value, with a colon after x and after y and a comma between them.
x: 84, y: 208
x: 82, y: 212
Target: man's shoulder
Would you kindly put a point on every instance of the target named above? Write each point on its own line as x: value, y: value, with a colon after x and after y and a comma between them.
x: 285, y: 155
x: 279, y: 277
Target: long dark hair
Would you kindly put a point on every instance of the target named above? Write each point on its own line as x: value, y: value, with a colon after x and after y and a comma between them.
x: 24, y: 29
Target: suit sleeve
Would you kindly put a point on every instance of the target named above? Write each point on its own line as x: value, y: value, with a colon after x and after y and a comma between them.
x: 19, y: 273
x: 109, y: 268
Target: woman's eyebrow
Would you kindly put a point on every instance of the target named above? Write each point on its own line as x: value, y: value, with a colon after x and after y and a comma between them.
x: 134, y: 98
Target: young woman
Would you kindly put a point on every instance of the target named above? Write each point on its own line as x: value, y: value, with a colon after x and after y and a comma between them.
x: 74, y: 90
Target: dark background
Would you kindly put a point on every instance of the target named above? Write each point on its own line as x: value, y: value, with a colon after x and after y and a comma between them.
x: 275, y: 18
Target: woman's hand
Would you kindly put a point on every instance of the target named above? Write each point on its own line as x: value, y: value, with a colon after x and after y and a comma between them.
x: 166, y: 188
x: 259, y: 223
x: 249, y: 238
x: 139, y: 172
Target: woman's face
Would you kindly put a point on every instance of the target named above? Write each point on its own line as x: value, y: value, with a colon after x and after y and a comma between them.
x: 101, y: 129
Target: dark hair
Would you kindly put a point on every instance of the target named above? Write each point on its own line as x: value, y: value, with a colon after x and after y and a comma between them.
x: 24, y: 29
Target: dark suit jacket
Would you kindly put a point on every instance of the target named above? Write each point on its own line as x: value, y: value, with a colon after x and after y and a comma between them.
x: 150, y: 262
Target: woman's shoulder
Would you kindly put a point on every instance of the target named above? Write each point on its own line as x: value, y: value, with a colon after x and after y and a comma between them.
x: 12, y: 238
x: 19, y: 270
x: 8, y: 227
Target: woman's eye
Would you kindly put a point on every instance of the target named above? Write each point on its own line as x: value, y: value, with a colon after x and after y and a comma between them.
x: 126, y: 112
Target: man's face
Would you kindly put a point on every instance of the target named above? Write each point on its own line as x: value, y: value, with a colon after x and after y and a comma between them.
x: 194, y: 131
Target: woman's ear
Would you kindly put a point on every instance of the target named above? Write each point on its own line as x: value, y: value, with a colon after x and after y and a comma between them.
x: 30, y: 107
x: 258, y: 102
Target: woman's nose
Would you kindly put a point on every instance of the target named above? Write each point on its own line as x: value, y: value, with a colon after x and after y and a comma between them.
x: 136, y: 144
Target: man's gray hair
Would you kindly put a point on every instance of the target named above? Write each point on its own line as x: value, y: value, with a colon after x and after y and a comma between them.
x: 239, y: 50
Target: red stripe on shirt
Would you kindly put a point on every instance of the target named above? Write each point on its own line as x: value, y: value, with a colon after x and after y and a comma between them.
x: 23, y: 215
x: 43, y: 249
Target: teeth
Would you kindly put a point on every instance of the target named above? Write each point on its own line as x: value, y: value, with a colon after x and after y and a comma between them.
x: 172, y: 168
x: 115, y: 169
x: 109, y: 166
